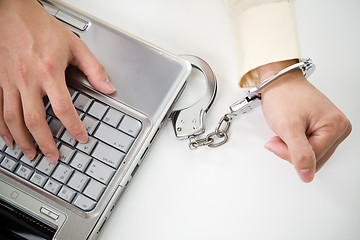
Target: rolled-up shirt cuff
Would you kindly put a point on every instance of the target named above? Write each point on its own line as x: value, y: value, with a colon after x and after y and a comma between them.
x: 265, y: 33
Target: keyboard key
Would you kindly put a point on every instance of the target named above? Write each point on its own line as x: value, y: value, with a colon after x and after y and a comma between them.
x: 46, y: 101
x: 114, y: 137
x: 73, y: 93
x: 49, y: 213
x: 50, y: 111
x: 52, y: 186
x: 24, y: 171
x: 84, y: 203
x: 68, y: 138
x: 9, y: 163
x: 94, y: 190
x: 62, y: 173
x: 29, y: 162
x: 87, y: 147
x: 56, y: 127
x: 66, y: 193
x: 83, y: 171
x: 2, y: 144
x: 82, y: 102
x: 48, y: 118
x: 98, y: 110
x: 65, y: 153
x: 80, y: 161
x: 90, y: 124
x: 78, y: 181
x: 108, y: 155
x: 100, y: 171
x: 15, y: 151
x: 45, y: 166
x: 113, y: 117
x: 38, y: 179
x: 80, y: 113
x: 130, y: 126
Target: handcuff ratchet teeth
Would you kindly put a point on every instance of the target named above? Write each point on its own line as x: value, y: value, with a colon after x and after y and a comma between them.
x: 189, y: 122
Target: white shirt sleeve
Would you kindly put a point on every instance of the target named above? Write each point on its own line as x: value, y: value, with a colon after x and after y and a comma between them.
x: 266, y: 32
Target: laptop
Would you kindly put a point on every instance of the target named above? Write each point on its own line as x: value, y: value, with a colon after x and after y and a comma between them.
x: 73, y: 198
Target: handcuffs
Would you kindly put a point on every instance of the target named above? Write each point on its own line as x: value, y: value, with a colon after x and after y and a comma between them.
x: 188, y: 123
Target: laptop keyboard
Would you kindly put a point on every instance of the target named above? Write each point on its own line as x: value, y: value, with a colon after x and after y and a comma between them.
x: 83, y: 171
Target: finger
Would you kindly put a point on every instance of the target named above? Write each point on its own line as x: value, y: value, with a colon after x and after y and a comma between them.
x: 4, y: 131
x: 301, y: 153
x: 91, y: 67
x: 277, y: 146
x: 63, y: 108
x: 325, y: 137
x: 332, y: 149
x: 35, y: 120
x: 14, y: 120
x: 323, y: 148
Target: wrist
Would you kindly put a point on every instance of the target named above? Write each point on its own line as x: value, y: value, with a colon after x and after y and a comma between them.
x: 296, y: 72
x: 267, y: 70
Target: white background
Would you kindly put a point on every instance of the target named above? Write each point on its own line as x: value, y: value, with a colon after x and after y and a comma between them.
x: 240, y: 190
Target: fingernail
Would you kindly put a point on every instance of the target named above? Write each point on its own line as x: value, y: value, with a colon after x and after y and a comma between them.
x: 82, y: 138
x: 109, y: 86
x: 8, y: 142
x: 51, y: 157
x: 306, y: 175
x: 30, y: 154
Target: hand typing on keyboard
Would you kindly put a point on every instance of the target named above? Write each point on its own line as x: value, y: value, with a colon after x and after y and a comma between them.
x: 35, y: 50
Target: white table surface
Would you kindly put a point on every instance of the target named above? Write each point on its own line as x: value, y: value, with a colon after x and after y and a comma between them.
x: 240, y: 190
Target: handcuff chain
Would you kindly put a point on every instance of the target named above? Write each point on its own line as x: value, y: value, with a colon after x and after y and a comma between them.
x: 220, y: 132
x: 244, y: 105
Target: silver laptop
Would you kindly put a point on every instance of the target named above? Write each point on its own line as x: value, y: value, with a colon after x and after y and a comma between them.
x: 73, y: 198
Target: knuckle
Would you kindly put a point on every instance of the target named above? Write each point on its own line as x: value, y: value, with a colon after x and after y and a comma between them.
x: 342, y: 121
x: 21, y: 70
x: 304, y: 160
x: 10, y: 116
x: 339, y: 123
x: 62, y: 109
x: 46, y: 66
x: 32, y: 120
x: 348, y: 129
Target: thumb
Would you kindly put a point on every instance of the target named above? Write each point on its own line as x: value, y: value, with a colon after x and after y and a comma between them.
x: 298, y: 152
x: 83, y: 58
x: 302, y: 156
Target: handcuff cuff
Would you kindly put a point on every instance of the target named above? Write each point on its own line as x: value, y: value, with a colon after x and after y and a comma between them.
x: 188, y: 123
